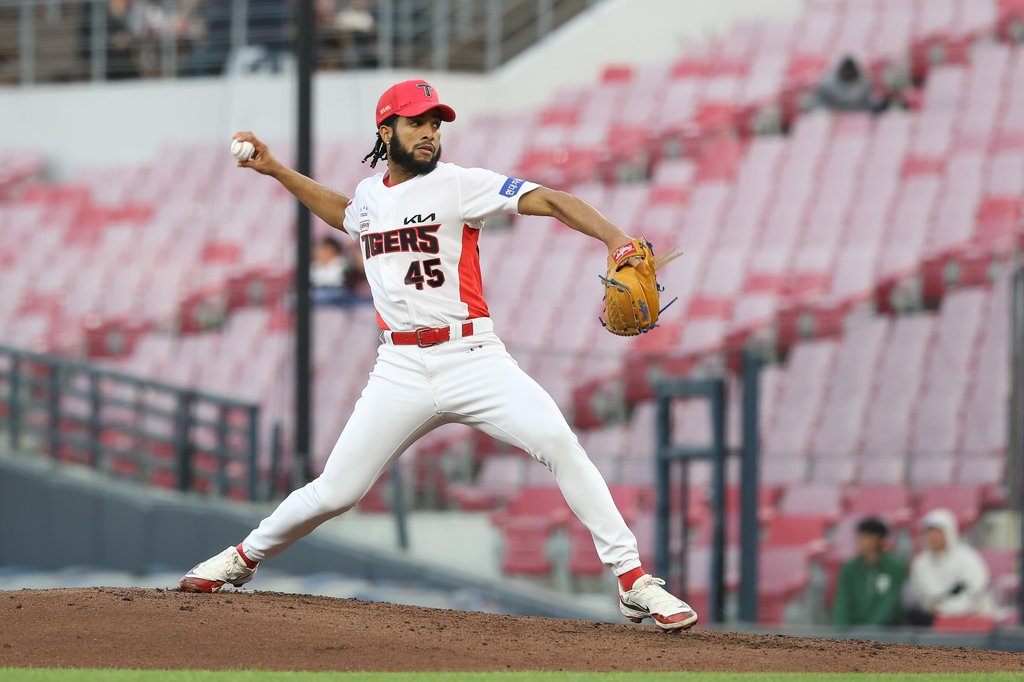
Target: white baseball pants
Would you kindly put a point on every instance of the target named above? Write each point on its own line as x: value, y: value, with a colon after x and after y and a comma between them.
x: 412, y: 390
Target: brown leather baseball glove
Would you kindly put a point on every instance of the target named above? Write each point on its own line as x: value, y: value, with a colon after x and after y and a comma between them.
x: 631, y: 290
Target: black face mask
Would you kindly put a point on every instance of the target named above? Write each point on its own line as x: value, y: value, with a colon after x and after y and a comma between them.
x: 408, y: 162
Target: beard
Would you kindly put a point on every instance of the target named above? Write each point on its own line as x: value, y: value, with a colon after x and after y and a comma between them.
x: 407, y: 162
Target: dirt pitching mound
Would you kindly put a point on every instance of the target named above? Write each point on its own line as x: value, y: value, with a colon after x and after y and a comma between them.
x: 133, y: 628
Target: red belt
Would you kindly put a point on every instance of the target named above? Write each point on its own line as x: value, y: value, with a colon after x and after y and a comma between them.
x: 424, y: 337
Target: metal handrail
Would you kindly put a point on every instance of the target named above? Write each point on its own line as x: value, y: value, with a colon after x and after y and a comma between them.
x: 41, y: 396
x: 64, y: 41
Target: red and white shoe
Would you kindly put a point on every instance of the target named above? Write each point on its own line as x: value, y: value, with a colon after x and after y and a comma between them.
x: 648, y: 599
x: 225, y: 568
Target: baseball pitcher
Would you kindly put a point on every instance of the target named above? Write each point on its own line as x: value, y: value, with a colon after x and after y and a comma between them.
x: 440, y: 361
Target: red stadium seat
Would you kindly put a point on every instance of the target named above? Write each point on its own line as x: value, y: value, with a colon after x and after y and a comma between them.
x: 890, y: 502
x: 782, y: 574
x: 807, y: 532
x: 499, y: 479
x: 889, y: 471
x: 963, y: 500
x: 525, y: 546
x: 533, y: 502
x: 812, y: 499
x: 767, y: 500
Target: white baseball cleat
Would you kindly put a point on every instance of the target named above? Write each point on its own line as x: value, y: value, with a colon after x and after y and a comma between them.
x: 228, y: 567
x: 648, y: 599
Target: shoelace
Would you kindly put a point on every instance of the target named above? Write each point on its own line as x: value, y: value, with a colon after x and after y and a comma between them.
x: 659, y: 600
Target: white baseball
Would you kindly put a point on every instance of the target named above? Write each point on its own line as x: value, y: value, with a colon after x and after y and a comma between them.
x: 243, y: 151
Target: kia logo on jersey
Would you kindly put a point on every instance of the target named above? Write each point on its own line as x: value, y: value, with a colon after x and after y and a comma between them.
x: 421, y: 239
x: 511, y: 187
x: 419, y: 218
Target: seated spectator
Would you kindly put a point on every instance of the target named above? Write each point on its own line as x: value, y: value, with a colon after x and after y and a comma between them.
x: 334, y: 277
x: 210, y: 38
x: 357, y: 27
x: 849, y: 88
x: 124, y: 24
x: 871, y: 583
x: 271, y: 26
x: 948, y: 577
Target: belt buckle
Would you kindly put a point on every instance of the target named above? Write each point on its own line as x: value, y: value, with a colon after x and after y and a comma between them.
x: 419, y: 338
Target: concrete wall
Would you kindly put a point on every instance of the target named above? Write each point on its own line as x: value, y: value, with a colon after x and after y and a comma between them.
x: 635, y: 32
x: 95, y: 125
x: 54, y: 516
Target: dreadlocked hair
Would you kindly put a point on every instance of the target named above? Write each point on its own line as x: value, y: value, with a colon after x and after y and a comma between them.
x: 380, y: 148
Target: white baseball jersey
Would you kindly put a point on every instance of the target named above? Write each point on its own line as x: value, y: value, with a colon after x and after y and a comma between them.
x: 419, y: 239
x: 419, y: 243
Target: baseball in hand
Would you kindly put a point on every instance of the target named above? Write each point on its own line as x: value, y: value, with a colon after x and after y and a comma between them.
x: 243, y: 151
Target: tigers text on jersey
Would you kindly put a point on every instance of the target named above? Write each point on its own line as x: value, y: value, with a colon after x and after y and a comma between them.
x: 419, y: 238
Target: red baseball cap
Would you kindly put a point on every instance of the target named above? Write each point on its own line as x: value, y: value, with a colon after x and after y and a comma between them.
x: 411, y: 98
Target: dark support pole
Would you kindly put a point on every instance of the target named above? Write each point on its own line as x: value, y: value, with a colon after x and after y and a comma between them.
x: 684, y: 504
x: 749, y: 485
x: 14, y: 404
x: 182, y: 444
x: 398, y: 506
x: 253, y: 449
x: 716, y: 586
x: 223, y: 414
x: 662, y: 501
x: 1017, y: 408
x: 94, y: 420
x: 53, y: 408
x: 304, y: 45
x: 276, y: 448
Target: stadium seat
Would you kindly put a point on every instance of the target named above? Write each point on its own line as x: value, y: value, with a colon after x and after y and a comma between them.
x: 498, y: 479
x: 807, y: 532
x: 990, y: 474
x: 783, y: 573
x: 833, y: 470
x: 768, y: 497
x: 812, y: 499
x: 782, y: 471
x: 963, y: 500
x: 892, y: 503
x: 525, y: 546
x: 537, y: 502
x: 802, y: 392
x: 932, y: 471
x: 698, y: 575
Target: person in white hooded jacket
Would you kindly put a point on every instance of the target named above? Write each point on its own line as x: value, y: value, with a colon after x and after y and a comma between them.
x: 948, y: 577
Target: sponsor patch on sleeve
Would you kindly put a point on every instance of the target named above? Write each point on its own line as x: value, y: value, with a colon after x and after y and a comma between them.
x: 511, y: 187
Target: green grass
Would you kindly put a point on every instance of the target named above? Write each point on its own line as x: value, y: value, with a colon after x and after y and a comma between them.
x: 89, y: 675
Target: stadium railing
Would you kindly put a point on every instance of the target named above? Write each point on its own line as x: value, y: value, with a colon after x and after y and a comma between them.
x: 95, y: 40
x: 129, y: 428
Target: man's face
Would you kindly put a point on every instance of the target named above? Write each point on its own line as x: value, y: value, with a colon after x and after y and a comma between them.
x: 415, y: 144
x: 868, y: 544
x: 935, y: 539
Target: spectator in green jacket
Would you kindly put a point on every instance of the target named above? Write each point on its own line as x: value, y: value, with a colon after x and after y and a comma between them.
x: 871, y: 583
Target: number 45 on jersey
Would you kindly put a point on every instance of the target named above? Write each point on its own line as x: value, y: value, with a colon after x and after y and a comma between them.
x: 425, y: 272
